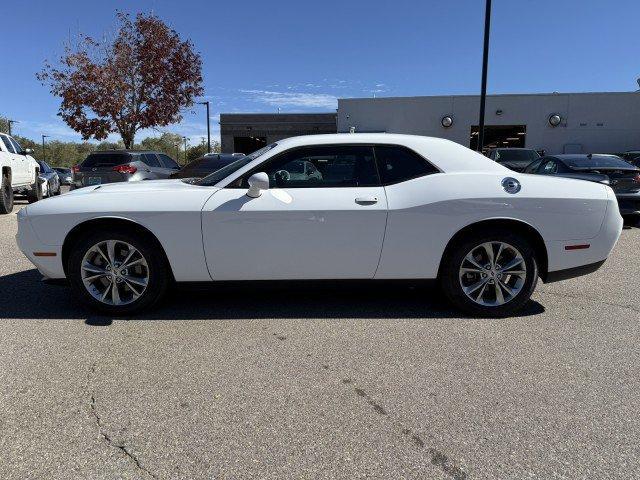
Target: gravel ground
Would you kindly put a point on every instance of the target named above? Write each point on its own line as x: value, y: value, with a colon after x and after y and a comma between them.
x: 334, y: 382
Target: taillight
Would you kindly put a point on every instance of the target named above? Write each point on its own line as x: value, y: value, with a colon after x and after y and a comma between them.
x: 126, y: 168
x: 637, y: 178
x: 75, y: 169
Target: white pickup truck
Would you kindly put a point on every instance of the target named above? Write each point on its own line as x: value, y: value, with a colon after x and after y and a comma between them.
x: 19, y: 174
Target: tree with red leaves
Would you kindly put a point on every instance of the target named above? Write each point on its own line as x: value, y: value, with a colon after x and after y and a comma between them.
x: 140, y: 79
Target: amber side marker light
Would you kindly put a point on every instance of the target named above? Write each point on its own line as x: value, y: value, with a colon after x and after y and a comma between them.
x: 577, y: 247
x: 44, y: 254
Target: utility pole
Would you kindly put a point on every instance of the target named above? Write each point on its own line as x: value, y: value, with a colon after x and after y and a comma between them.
x: 11, y: 122
x: 485, y: 61
x: 208, y: 126
x: 177, y: 145
x: 44, y: 150
x: 185, y: 149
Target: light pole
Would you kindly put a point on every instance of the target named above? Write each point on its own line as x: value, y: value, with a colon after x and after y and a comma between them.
x: 208, y: 126
x: 185, y: 149
x: 44, y: 150
x: 10, y: 122
x: 177, y: 145
x: 485, y: 61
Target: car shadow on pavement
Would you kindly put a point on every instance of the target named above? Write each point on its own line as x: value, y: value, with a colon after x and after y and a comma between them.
x: 23, y: 295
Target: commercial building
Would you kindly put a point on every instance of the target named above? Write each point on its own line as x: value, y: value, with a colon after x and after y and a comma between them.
x: 554, y: 122
x: 247, y: 132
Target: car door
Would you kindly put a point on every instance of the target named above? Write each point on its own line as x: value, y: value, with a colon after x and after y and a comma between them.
x: 330, y: 225
x: 17, y: 162
x: 21, y: 158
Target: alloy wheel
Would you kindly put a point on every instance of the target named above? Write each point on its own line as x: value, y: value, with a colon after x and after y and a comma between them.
x: 492, y: 273
x: 114, y: 272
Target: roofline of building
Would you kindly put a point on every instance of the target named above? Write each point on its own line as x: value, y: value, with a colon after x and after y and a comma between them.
x: 491, y: 95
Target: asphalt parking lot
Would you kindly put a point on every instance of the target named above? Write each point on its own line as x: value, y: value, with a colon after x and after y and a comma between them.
x: 335, y: 382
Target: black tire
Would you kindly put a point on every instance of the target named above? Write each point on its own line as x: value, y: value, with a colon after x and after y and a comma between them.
x: 59, y: 190
x: 147, y: 245
x: 450, y: 277
x: 6, y: 195
x: 35, y: 193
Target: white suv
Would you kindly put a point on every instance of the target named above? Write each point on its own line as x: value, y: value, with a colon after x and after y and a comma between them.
x: 19, y: 174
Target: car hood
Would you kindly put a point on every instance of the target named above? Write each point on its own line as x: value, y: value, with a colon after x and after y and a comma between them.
x: 136, y: 187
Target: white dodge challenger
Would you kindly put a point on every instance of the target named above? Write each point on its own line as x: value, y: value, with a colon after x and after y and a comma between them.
x: 342, y: 206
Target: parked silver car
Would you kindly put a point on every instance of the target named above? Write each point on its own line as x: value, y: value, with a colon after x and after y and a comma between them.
x: 122, y: 166
x: 49, y: 179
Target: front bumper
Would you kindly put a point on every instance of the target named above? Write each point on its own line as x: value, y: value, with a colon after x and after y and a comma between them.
x: 46, y: 258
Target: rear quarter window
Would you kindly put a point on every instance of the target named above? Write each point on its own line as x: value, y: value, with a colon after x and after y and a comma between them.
x: 399, y: 164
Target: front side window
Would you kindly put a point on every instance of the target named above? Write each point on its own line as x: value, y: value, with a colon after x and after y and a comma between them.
x: 549, y: 168
x: 321, y: 166
x: 7, y: 143
x: 16, y: 145
x: 168, y: 161
x: 151, y: 160
x: 398, y: 164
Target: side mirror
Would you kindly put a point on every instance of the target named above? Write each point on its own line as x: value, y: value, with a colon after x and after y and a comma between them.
x: 27, y: 151
x: 257, y: 182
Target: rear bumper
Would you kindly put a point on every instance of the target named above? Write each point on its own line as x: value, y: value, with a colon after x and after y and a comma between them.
x: 567, y: 261
x: 568, y: 273
x: 629, y: 203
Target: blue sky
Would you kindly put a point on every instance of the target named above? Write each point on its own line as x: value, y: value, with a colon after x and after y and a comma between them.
x: 300, y: 56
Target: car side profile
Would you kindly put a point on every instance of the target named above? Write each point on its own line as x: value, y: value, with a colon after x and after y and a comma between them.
x: 49, y: 180
x: 18, y: 174
x: 383, y: 206
x: 110, y: 166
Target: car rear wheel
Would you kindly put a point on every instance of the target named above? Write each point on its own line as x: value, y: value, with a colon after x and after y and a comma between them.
x: 117, y: 272
x: 491, y: 274
x: 6, y: 195
x: 35, y: 193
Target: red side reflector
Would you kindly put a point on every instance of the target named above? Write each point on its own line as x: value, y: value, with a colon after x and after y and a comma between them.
x: 44, y: 254
x: 577, y: 247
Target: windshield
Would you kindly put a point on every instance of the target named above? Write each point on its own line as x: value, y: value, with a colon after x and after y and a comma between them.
x: 224, y: 172
x: 517, y: 155
x: 597, y: 162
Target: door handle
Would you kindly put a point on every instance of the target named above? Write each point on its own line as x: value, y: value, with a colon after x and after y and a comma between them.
x: 367, y: 200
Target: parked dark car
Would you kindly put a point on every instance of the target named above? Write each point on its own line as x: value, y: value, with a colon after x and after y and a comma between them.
x: 65, y: 175
x: 49, y: 180
x: 632, y: 156
x: 203, y: 166
x: 514, y: 158
x: 610, y: 170
x: 122, y: 166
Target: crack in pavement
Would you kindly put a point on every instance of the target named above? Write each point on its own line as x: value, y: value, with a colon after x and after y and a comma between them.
x: 438, y: 459
x: 107, y: 438
x: 591, y: 300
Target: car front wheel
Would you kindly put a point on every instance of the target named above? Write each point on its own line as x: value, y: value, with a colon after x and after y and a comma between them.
x: 118, y: 272
x: 492, y: 274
